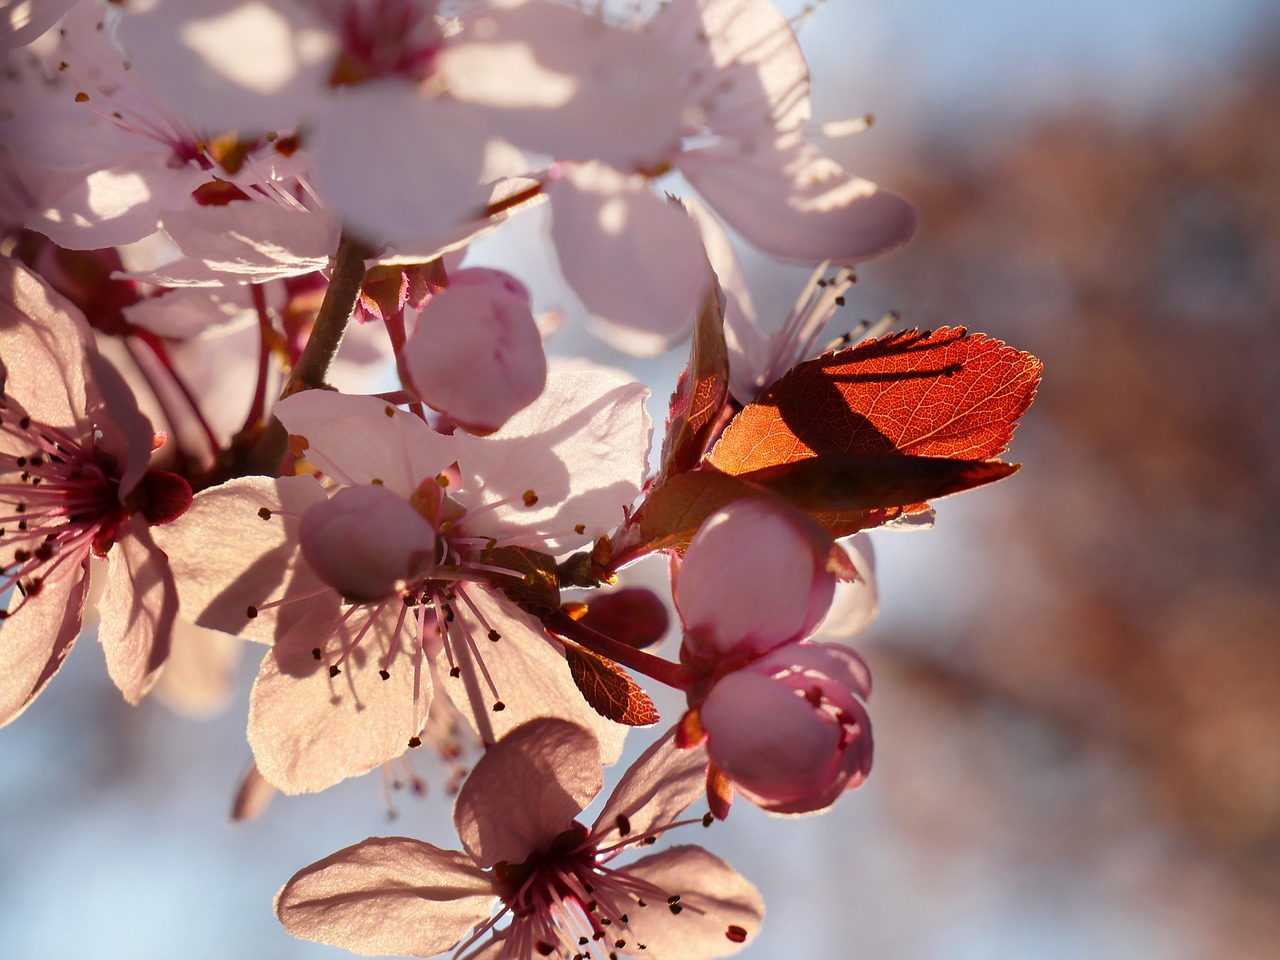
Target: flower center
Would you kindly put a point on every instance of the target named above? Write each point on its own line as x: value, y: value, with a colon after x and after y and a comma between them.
x: 59, y: 500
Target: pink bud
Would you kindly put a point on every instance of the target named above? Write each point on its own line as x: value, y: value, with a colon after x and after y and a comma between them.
x: 365, y: 540
x: 789, y: 730
x: 754, y: 577
x: 476, y: 353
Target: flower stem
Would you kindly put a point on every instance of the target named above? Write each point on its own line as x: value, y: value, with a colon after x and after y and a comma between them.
x: 655, y: 668
x: 313, y: 365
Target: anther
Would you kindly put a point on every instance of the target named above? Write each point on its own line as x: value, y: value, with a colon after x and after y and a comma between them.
x: 455, y: 672
x: 580, y: 529
x: 708, y: 819
x: 315, y: 653
x: 384, y: 674
x: 499, y: 707
x: 264, y: 513
x: 495, y: 636
x: 415, y: 743
x: 544, y: 948
x: 251, y: 611
x: 81, y: 97
x: 624, y: 825
x: 389, y: 410
x: 736, y: 933
x: 334, y: 670
x: 530, y: 498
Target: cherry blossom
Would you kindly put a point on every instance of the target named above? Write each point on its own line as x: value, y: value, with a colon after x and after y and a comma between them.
x: 107, y: 154
x: 743, y: 147
x: 76, y: 488
x: 555, y: 880
x: 366, y: 634
x: 781, y: 717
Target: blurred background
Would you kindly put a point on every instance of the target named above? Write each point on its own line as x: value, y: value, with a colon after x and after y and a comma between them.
x: 1077, y: 671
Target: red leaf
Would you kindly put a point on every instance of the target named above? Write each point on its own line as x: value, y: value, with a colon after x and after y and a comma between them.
x: 701, y: 393
x: 840, y: 483
x: 608, y: 689
x: 942, y: 393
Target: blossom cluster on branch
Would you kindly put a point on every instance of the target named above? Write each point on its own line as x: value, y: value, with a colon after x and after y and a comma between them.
x: 217, y: 211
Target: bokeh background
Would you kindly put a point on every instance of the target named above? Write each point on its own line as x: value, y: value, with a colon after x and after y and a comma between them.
x: 1078, y: 671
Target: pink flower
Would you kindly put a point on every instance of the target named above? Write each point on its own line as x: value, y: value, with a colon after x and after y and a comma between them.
x: 553, y: 878
x: 74, y: 488
x: 392, y: 590
x: 781, y: 717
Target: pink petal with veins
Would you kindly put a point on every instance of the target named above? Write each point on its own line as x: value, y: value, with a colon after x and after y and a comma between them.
x: 236, y: 547
x: 581, y: 447
x: 721, y: 910
x: 791, y: 201
x: 360, y: 440
x: 655, y: 790
x: 529, y: 670
x: 34, y: 643
x: 387, y: 895
x: 634, y: 259
x: 526, y: 790
x: 137, y: 611
x: 310, y: 728
x: 560, y: 81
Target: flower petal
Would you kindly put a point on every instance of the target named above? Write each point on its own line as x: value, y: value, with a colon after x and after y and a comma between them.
x: 362, y: 440
x: 634, y: 259
x: 563, y: 82
x: 232, y: 64
x: 35, y: 639
x: 857, y: 603
x: 382, y: 164
x: 387, y: 895
x: 226, y: 556
x: 720, y: 911
x: 137, y: 610
x: 43, y: 342
x: 791, y: 201
x: 310, y: 728
x: 529, y: 672
x: 476, y: 354
x: 526, y: 790
x: 654, y: 791
x: 581, y: 447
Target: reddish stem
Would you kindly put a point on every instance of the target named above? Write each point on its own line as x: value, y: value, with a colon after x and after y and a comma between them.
x: 655, y: 668
x: 258, y: 407
x: 157, y: 347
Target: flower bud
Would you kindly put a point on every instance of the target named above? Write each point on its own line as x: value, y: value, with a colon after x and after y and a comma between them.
x: 476, y: 353
x: 754, y: 576
x: 789, y: 730
x: 365, y: 540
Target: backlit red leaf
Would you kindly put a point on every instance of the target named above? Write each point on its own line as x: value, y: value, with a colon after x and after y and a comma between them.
x: 941, y: 393
x: 608, y: 689
x: 701, y: 393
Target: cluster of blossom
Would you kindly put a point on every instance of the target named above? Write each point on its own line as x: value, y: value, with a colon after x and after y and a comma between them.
x: 211, y: 204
